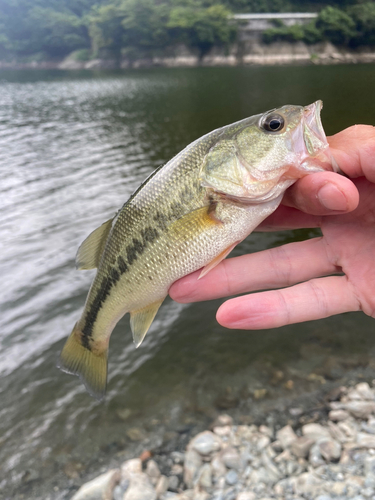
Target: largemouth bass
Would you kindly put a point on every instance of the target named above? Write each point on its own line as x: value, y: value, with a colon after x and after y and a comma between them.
x: 189, y: 214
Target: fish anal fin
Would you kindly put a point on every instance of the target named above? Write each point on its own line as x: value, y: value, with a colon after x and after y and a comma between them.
x: 217, y: 260
x: 90, y: 365
x: 90, y: 251
x: 141, y: 319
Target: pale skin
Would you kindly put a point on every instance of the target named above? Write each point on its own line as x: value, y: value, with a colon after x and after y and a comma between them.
x: 312, y: 279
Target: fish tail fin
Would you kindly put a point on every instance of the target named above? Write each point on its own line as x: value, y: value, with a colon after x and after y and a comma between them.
x: 88, y: 363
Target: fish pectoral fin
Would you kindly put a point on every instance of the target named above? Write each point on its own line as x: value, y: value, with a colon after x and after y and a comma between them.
x: 89, y: 365
x: 197, y: 221
x: 90, y: 251
x: 140, y: 321
x: 217, y: 260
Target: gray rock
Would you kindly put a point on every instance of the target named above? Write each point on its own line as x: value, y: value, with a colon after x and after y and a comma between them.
x: 246, y: 495
x: 349, y: 429
x: 369, y: 481
x: 177, y: 469
x: 266, y: 430
x: 262, y: 442
x: 193, y: 462
x: 366, y: 440
x: 173, y: 483
x: 369, y: 426
x: 178, y: 457
x: 301, y: 446
x: 368, y: 493
x: 274, y: 474
x: 286, y: 436
x: 337, y: 433
x: 222, y: 431
x: 338, y: 415
x: 161, y: 486
x: 315, y: 457
x: 218, y: 467
x: 307, y: 484
x: 204, y: 478
x: 130, y: 467
x: 315, y: 431
x: 186, y: 495
x: 330, y: 449
x: 360, y: 409
x: 231, y: 458
x: 364, y: 390
x: 231, y: 477
x: 222, y: 421
x: 100, y: 488
x: 118, y: 493
x: 140, y: 488
x: 153, y: 472
x: 369, y: 464
x: 206, y: 443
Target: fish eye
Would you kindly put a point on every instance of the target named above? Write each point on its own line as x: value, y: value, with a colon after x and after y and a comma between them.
x: 273, y: 123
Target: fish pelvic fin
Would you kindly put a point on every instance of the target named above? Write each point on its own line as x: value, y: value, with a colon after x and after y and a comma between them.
x: 217, y: 260
x: 140, y: 321
x: 91, y: 250
x: 88, y: 363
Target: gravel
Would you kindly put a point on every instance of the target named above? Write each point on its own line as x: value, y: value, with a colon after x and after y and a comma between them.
x: 326, y: 460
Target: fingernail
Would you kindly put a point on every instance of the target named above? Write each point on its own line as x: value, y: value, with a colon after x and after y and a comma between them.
x: 332, y: 198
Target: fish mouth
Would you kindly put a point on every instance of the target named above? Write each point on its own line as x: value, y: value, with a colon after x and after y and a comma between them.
x: 311, y: 141
x: 313, y: 134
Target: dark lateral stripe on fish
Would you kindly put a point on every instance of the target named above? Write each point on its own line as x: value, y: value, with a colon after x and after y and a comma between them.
x: 149, y: 235
x: 162, y: 220
x: 92, y: 313
x: 123, y: 267
x: 133, y: 250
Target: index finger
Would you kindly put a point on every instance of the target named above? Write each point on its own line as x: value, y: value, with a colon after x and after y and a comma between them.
x: 354, y: 151
x: 274, y: 268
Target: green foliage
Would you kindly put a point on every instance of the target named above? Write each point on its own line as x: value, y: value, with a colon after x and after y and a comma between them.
x: 336, y: 25
x: 259, y: 5
x: 105, y: 29
x: 286, y: 34
x: 48, y: 26
x: 112, y: 28
x: 80, y: 55
x: 202, y: 27
x: 145, y: 24
x: 332, y: 24
x: 364, y: 17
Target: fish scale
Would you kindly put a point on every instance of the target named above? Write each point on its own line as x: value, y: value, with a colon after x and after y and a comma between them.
x: 187, y: 215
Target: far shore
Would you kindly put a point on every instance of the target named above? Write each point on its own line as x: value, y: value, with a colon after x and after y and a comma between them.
x: 245, y: 54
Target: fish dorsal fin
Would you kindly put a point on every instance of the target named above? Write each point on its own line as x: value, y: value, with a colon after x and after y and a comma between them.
x: 90, y: 251
x: 140, y: 321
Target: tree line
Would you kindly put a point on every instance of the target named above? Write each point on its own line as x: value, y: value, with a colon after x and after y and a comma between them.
x: 45, y: 29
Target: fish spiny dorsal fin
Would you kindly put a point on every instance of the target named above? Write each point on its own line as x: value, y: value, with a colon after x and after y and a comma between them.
x: 89, y: 364
x: 140, y: 321
x: 90, y: 251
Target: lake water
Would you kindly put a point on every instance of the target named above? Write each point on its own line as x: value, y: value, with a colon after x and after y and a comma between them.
x: 73, y: 147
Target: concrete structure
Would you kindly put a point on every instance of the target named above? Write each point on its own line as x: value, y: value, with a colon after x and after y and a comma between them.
x: 253, y: 25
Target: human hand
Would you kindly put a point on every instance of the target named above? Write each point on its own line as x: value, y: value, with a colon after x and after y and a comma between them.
x: 344, y: 209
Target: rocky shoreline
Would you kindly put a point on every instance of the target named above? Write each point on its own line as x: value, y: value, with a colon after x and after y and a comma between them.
x: 250, y: 53
x: 328, y: 456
